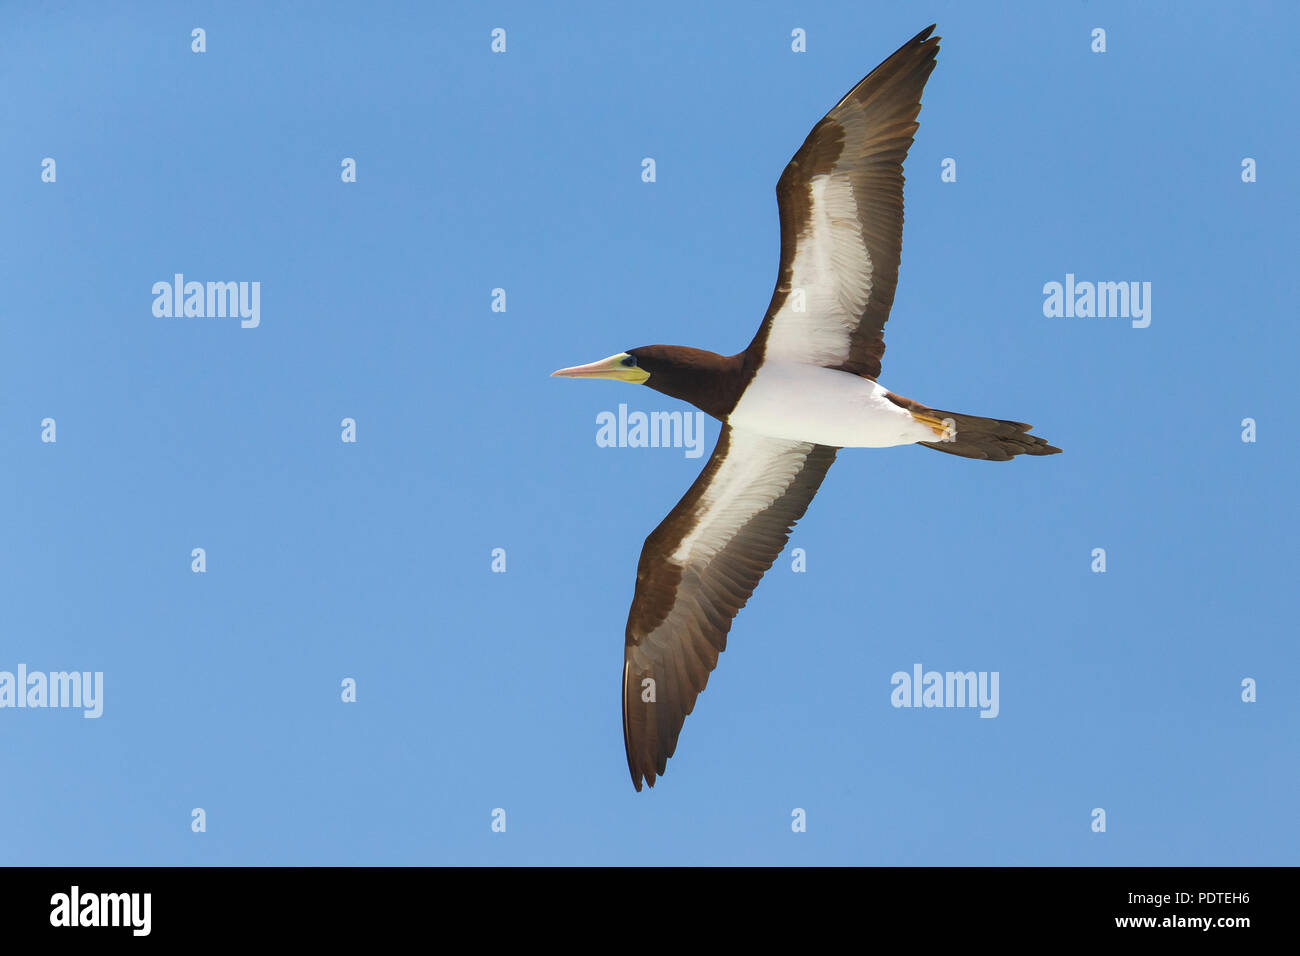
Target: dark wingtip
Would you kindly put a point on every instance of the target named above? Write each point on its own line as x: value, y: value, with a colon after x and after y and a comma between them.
x: 923, y: 36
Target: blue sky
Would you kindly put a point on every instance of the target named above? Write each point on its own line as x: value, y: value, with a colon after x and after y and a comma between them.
x: 372, y: 560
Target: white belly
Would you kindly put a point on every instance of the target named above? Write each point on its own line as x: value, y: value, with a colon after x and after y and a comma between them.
x: 808, y: 403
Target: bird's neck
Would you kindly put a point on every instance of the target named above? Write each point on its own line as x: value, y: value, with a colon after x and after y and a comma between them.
x: 711, y: 382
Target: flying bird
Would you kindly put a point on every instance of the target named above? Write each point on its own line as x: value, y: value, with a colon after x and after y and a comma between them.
x: 804, y: 388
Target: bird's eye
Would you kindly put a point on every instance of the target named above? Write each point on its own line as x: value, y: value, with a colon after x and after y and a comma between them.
x: 628, y: 362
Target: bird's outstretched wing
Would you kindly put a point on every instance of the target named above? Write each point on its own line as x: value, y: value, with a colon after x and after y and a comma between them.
x: 841, y: 204
x: 697, y: 570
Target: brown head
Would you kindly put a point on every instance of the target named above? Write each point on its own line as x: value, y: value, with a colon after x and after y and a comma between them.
x: 710, y: 382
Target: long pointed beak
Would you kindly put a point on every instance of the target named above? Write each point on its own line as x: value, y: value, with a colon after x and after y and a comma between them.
x: 612, y: 368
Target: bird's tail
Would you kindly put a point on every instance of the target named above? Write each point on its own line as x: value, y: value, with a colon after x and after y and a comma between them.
x: 989, y: 439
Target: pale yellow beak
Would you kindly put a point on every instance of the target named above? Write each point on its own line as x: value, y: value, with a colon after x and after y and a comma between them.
x: 612, y: 367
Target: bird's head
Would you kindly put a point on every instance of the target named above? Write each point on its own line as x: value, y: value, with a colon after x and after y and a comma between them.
x: 707, y: 380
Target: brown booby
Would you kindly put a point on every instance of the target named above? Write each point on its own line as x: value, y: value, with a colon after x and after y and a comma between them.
x: 804, y: 388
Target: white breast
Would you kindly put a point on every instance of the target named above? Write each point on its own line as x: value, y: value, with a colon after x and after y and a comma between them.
x: 809, y: 403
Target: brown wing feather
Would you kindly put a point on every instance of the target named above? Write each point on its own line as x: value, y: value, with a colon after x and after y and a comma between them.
x: 851, y: 242
x: 697, y: 570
